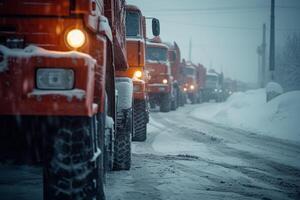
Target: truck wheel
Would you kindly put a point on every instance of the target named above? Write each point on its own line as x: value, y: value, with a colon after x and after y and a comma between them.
x: 74, y: 169
x: 122, y: 152
x: 122, y: 158
x: 165, y: 104
x: 140, y: 121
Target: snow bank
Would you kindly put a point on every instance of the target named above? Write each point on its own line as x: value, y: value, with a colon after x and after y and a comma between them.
x: 274, y: 87
x: 32, y: 50
x: 249, y: 111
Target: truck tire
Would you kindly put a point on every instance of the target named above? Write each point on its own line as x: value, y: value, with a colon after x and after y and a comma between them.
x: 122, y: 146
x: 75, y: 166
x: 140, y: 121
x: 122, y: 157
x: 165, y: 104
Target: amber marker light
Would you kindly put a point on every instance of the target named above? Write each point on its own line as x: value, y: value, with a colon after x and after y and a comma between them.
x: 138, y: 74
x: 76, y: 38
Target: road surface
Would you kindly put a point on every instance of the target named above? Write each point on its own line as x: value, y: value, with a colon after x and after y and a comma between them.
x: 187, y: 158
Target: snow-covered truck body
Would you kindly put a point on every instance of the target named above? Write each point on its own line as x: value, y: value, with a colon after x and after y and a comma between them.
x: 160, y: 85
x: 57, y: 88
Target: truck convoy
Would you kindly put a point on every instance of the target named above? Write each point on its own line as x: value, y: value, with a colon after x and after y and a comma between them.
x: 66, y: 91
x: 74, y: 88
x: 160, y: 86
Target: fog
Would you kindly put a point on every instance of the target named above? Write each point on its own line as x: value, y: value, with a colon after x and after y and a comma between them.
x: 224, y: 34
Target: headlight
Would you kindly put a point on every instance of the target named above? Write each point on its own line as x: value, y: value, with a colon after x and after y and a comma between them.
x: 137, y: 74
x: 220, y: 90
x: 164, y: 81
x: 55, y: 79
x: 76, y: 38
x: 192, y: 87
x: 185, y: 89
x: 216, y: 90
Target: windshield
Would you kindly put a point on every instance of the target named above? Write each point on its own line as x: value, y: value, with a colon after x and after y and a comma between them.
x: 132, y: 24
x: 211, y: 78
x: 189, y: 71
x: 156, y: 53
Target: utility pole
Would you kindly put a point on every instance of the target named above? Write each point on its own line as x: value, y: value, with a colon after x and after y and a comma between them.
x: 261, y: 52
x: 263, y: 57
x: 190, y: 50
x: 272, y: 40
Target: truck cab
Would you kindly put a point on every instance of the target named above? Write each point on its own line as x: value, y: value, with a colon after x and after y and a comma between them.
x: 190, y: 82
x: 57, y: 89
x: 213, y: 87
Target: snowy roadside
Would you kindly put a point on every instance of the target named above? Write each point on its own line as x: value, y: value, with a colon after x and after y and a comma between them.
x: 249, y: 111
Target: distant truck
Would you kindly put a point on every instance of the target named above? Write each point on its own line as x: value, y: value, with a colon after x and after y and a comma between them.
x: 190, y: 85
x: 213, y: 87
x: 193, y: 81
x: 160, y: 86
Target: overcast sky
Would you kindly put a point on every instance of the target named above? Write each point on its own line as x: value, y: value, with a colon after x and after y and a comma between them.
x: 224, y: 33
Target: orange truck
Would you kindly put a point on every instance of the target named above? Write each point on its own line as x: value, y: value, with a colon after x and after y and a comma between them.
x: 136, y: 44
x: 191, y: 84
x: 160, y: 85
x: 58, y: 60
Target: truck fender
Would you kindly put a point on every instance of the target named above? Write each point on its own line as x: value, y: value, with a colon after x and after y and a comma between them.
x: 124, y: 87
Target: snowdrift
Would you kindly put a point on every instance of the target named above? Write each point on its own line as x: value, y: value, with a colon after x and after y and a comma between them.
x: 249, y: 111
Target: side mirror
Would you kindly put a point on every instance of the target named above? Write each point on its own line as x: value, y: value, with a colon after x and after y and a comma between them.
x: 155, y: 27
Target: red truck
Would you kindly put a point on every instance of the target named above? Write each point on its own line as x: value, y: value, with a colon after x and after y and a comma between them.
x: 160, y: 86
x: 57, y: 90
x: 190, y: 83
x: 136, y: 44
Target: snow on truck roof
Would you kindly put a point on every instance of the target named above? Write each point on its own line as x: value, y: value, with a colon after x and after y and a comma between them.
x: 211, y: 74
x: 154, y: 44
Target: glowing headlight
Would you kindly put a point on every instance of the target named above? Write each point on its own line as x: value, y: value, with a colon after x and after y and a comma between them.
x: 192, y: 87
x: 185, y: 89
x: 55, y: 79
x: 216, y: 90
x: 164, y: 81
x: 76, y: 38
x: 137, y: 74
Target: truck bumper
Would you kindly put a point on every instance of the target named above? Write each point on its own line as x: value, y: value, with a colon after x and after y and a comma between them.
x: 19, y: 95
